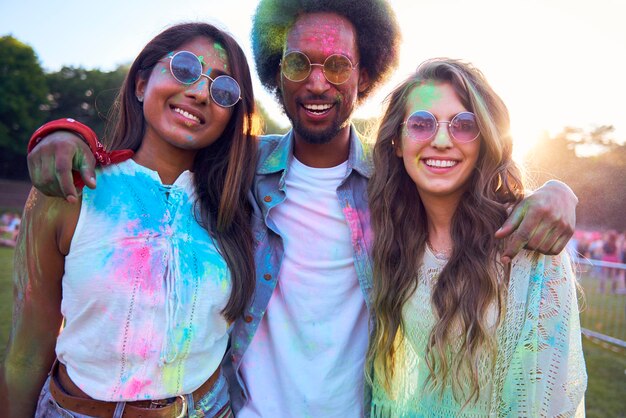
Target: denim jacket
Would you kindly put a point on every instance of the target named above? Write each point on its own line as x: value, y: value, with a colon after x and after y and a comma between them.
x: 275, y: 153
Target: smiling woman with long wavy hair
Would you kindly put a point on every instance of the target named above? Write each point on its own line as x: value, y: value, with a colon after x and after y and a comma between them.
x: 456, y: 331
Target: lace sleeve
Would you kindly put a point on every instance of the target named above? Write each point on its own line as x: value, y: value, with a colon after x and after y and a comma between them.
x: 546, y: 376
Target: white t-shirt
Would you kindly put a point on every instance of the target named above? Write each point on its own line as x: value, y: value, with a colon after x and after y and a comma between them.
x: 307, y: 356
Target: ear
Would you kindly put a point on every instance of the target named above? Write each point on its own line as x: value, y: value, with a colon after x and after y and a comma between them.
x: 140, y: 86
x: 279, y: 86
x: 279, y: 79
x: 364, y: 80
x: 397, y: 145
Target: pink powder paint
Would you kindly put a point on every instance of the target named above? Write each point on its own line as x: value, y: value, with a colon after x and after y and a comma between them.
x: 352, y: 217
x: 138, y: 257
x: 134, y: 388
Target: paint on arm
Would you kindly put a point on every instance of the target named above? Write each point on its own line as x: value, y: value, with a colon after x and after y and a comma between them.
x: 43, y: 241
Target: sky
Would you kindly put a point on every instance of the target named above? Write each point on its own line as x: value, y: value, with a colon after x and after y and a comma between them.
x: 555, y: 63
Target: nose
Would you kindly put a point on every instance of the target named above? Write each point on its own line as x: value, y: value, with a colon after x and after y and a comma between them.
x: 199, y: 90
x: 442, y: 138
x: 316, y: 83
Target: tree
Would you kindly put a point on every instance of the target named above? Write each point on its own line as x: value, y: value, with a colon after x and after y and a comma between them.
x: 270, y: 126
x: 593, y: 165
x: 24, y: 95
x: 85, y: 95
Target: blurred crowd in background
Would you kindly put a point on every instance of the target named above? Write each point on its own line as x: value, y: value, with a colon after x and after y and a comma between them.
x: 608, y: 247
x: 9, y: 228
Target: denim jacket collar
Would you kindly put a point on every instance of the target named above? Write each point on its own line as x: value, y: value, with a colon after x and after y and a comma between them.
x: 359, y: 158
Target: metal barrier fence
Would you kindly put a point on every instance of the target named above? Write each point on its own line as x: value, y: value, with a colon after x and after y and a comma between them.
x: 603, y: 314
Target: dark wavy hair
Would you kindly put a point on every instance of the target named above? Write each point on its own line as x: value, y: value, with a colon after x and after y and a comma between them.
x: 377, y: 36
x: 471, y: 281
x: 223, y: 171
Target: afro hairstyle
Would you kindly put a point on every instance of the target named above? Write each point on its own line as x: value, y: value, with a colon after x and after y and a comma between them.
x: 377, y: 33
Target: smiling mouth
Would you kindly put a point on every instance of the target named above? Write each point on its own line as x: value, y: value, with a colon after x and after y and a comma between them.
x: 318, y: 109
x: 187, y: 115
x: 440, y: 163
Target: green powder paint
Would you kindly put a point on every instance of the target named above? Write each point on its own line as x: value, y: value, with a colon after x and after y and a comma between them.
x: 273, y: 161
x: 423, y: 96
x: 221, y: 52
x: 275, y: 24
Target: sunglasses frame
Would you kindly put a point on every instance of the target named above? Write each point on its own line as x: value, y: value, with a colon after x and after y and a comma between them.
x: 202, y: 74
x: 438, y: 125
x: 352, y: 67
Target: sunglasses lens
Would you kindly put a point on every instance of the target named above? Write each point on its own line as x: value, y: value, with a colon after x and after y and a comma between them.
x: 464, y: 127
x: 185, y: 67
x: 225, y: 91
x: 337, y: 69
x: 421, y: 125
x: 295, y: 66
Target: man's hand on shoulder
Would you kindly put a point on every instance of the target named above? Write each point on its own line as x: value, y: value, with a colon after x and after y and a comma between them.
x: 51, y: 162
x: 544, y: 221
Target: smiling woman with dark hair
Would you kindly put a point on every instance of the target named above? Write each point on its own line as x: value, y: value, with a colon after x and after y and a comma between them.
x: 147, y: 272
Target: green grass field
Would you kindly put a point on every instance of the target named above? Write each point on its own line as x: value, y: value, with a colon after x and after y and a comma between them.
x: 603, y: 312
x: 606, y: 366
x: 6, y: 296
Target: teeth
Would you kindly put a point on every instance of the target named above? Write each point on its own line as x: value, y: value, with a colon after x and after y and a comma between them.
x: 318, y: 107
x: 440, y: 163
x: 187, y: 114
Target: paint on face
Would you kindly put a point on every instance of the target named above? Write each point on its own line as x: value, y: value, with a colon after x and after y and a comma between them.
x: 181, y: 118
x: 319, y: 35
x: 221, y: 52
x: 440, y: 167
x: 424, y: 96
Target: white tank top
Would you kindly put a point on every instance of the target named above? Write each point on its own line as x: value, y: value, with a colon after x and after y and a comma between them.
x: 143, y: 288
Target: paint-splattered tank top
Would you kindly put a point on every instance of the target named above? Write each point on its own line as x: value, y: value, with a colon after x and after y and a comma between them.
x: 143, y: 288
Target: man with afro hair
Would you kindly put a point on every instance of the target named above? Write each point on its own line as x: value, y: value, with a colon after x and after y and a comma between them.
x: 300, y: 350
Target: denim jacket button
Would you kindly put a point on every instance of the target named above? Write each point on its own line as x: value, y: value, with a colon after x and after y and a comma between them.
x: 267, y: 199
x: 248, y: 318
x: 267, y: 276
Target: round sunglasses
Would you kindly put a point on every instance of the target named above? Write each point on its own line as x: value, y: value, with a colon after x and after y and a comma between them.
x: 186, y: 67
x: 422, y: 125
x: 296, y: 66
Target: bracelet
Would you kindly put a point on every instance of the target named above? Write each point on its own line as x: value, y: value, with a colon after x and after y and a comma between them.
x: 102, y: 156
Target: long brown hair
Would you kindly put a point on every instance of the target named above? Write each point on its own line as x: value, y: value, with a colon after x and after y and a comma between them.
x: 469, y: 283
x: 223, y: 171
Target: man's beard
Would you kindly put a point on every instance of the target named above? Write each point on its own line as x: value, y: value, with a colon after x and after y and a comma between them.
x: 315, y: 136
x: 310, y: 136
